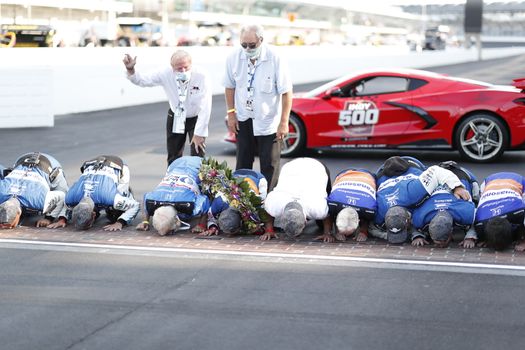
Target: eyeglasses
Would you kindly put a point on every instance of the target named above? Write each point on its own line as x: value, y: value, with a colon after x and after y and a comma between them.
x: 249, y: 45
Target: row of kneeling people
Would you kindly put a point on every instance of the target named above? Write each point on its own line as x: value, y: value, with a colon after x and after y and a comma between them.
x: 401, y: 201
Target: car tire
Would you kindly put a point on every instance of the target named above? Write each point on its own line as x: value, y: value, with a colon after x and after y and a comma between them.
x: 481, y: 138
x: 295, y: 141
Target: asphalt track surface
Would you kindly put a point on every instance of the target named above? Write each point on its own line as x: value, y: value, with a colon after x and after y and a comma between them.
x: 61, y: 289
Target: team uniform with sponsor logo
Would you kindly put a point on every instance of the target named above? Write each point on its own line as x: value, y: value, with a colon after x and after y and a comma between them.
x: 38, y: 182
x: 410, y: 189
x: 257, y: 183
x: 442, y: 199
x: 105, y: 180
x: 179, y: 188
x: 405, y: 190
x: 306, y: 181
x: 502, y: 195
x: 354, y: 188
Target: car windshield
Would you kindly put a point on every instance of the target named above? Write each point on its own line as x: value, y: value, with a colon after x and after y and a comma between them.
x: 330, y: 84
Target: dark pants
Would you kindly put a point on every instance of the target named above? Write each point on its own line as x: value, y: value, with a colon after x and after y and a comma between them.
x: 329, y: 183
x: 175, y: 142
x: 267, y: 147
x: 320, y: 223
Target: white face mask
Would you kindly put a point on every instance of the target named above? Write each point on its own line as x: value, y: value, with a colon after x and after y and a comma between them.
x: 253, y: 53
x: 183, y: 76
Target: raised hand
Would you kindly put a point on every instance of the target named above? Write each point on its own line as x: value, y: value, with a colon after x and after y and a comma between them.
x: 130, y: 62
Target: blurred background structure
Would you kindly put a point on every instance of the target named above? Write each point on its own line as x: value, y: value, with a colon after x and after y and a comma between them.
x: 428, y: 24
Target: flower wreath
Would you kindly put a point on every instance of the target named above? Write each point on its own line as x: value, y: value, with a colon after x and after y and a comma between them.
x: 217, y: 179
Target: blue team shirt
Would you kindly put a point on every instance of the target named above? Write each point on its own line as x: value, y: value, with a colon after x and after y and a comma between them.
x: 354, y: 188
x: 502, y: 194
x: 462, y: 211
x: 101, y: 185
x: 181, y: 185
x: 29, y: 185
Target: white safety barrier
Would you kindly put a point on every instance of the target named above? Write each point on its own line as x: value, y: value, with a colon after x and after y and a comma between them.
x: 38, y: 83
x: 26, y: 97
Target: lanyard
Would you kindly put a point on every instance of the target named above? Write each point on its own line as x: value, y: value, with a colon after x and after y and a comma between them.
x: 182, y: 89
x: 251, y: 73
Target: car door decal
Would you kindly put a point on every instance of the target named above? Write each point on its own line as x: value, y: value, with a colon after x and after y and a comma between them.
x: 358, y: 118
x: 417, y: 111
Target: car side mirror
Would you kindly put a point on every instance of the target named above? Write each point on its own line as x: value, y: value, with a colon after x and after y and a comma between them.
x: 333, y: 92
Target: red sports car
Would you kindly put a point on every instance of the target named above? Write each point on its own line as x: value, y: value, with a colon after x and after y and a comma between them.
x: 409, y: 109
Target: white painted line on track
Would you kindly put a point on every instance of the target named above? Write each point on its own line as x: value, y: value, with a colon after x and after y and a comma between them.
x: 396, y: 263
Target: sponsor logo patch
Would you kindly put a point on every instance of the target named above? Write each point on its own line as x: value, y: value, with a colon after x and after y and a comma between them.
x: 358, y: 118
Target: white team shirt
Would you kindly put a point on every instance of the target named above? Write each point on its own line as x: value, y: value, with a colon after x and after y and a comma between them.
x: 303, y: 180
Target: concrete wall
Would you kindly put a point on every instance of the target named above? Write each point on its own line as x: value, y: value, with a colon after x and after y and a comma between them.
x: 52, y: 81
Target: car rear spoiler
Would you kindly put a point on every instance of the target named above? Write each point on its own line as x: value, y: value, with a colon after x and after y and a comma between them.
x: 519, y: 83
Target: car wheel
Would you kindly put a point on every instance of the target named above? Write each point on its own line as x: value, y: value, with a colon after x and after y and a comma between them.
x: 294, y: 142
x: 481, y: 138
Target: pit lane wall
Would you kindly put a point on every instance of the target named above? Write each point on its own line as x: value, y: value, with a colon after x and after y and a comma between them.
x: 39, y: 83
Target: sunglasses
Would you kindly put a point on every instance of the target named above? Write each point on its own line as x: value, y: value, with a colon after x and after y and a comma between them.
x: 249, y: 45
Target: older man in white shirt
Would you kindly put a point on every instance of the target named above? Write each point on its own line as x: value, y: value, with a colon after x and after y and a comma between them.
x: 189, y: 95
x: 300, y: 195
x: 258, y: 91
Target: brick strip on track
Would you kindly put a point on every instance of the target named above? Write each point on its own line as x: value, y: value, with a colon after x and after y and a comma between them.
x: 304, y: 246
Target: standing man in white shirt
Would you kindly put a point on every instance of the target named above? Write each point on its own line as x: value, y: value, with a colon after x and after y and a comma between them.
x: 189, y: 95
x: 258, y: 92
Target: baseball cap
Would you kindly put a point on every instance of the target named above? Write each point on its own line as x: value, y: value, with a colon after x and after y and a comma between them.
x: 397, y: 220
x: 230, y: 221
x: 293, y: 219
x: 441, y: 226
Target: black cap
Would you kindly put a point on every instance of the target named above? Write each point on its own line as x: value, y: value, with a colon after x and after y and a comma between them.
x: 230, y: 221
x: 441, y: 226
x: 397, y: 220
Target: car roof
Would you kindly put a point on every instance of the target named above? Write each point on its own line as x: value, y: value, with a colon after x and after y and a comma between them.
x: 398, y: 71
x: 412, y: 73
x: 416, y: 73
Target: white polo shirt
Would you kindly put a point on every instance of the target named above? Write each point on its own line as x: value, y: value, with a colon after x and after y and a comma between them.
x: 198, y: 98
x: 271, y: 79
x: 303, y: 180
